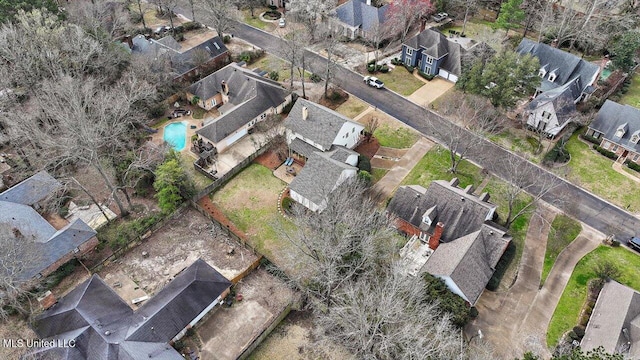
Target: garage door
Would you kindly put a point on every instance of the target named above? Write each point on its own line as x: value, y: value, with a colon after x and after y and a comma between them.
x: 447, y: 75
x: 236, y: 137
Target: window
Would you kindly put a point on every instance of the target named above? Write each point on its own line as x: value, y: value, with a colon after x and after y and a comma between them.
x: 636, y: 157
x: 605, y: 145
x: 615, y: 147
x: 263, y: 116
x: 542, y: 72
x: 552, y: 76
x: 546, y: 115
x: 409, y: 51
x: 429, y: 60
x: 353, y: 130
x: 635, y: 138
x: 213, y: 102
x: 76, y: 250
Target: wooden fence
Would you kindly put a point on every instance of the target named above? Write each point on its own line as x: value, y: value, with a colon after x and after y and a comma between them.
x: 265, y: 333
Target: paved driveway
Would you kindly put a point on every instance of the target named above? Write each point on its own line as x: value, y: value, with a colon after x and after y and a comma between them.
x: 430, y: 91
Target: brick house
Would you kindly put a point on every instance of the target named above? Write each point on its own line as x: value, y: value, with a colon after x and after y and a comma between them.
x: 452, y: 233
x: 53, y: 246
x: 617, y: 127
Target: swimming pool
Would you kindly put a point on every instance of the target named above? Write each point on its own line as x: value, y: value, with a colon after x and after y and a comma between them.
x: 176, y: 135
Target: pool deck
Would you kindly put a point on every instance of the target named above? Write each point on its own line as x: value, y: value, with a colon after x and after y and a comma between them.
x: 158, y: 138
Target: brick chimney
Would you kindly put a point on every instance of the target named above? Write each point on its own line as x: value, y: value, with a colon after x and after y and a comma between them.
x: 469, y: 189
x: 47, y: 300
x: 225, y: 87
x: 434, y: 240
x: 305, y: 113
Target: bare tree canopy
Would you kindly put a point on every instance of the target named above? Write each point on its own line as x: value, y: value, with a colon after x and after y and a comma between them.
x: 219, y: 14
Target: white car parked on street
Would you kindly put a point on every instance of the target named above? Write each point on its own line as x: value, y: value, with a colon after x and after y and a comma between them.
x: 373, y: 81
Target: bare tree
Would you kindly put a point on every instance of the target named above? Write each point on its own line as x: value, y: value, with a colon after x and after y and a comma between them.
x: 477, y: 116
x: 523, y: 178
x: 330, y: 40
x: 18, y: 256
x: 312, y: 13
x: 403, y: 15
x: 371, y: 126
x: 144, y: 23
x: 376, y: 36
x: 99, y: 17
x: 251, y: 5
x: 220, y: 14
x: 171, y: 5
x: 294, y: 47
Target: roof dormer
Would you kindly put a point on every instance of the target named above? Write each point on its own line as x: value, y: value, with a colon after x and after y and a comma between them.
x: 553, y: 75
x: 543, y: 71
x: 429, y: 216
x: 635, y: 137
x: 622, y: 129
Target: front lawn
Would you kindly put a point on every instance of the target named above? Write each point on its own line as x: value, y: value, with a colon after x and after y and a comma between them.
x: 271, y: 63
x: 352, y: 107
x: 395, y: 137
x: 255, y: 20
x: 434, y: 166
x: 593, y: 171
x: 563, y: 231
x: 400, y: 81
x: 566, y: 314
x: 632, y: 97
x: 377, y: 174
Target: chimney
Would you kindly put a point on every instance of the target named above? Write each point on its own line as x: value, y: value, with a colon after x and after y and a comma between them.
x: 454, y: 182
x: 468, y: 189
x: 484, y: 197
x: 369, y: 2
x: 225, y: 87
x: 305, y: 113
x: 47, y: 300
x: 423, y: 24
x: 434, y: 240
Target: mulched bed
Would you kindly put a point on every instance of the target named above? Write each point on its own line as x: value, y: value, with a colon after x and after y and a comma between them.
x: 333, y: 104
x: 269, y: 159
x: 368, y: 148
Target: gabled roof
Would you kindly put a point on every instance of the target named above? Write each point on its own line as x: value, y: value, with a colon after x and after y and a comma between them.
x: 563, y: 104
x: 434, y: 43
x: 568, y: 67
x: 105, y: 327
x: 249, y: 96
x: 615, y: 321
x: 31, y: 190
x: 322, y: 124
x: 319, y: 176
x: 470, y: 260
x: 460, y: 212
x: 611, y: 116
x: 357, y: 13
x: 181, y: 61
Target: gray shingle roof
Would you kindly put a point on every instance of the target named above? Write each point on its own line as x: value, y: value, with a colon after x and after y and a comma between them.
x: 249, y: 96
x: 319, y: 176
x: 303, y: 148
x: 105, y: 327
x: 31, y: 190
x: 562, y: 99
x: 611, y: 116
x: 461, y: 213
x: 568, y: 67
x: 321, y: 126
x: 434, y: 43
x: 470, y: 260
x: 357, y: 13
x: 617, y: 308
x: 181, y: 62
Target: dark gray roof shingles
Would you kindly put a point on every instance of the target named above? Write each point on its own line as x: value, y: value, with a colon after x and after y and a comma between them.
x: 611, y: 116
x: 31, y: 190
x: 357, y: 13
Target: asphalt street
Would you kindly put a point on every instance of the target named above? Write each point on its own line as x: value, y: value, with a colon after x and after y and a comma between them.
x: 573, y: 200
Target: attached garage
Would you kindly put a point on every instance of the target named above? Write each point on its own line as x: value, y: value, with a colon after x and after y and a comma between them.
x: 447, y: 75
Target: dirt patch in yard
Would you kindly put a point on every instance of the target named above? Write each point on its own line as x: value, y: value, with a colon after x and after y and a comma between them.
x: 336, y: 98
x: 368, y: 148
x: 14, y: 328
x: 177, y: 245
x: 232, y: 329
x: 269, y: 159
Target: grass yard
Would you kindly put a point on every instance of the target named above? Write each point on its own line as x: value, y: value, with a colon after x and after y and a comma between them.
x: 395, y: 137
x: 563, y: 231
x: 255, y: 20
x: 400, y: 81
x: 566, y: 314
x: 198, y: 113
x: 250, y: 201
x: 632, y: 97
x: 186, y: 162
x: 352, y: 107
x: 521, y: 144
x: 434, y: 165
x: 378, y: 174
x: 271, y: 63
x: 593, y: 171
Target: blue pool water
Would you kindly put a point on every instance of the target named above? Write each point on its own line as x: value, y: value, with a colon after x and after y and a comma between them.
x: 176, y: 135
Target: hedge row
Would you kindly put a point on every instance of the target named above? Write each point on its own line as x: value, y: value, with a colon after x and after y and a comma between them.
x: 590, y: 139
x: 633, y: 166
x: 426, y: 76
x: 605, y: 152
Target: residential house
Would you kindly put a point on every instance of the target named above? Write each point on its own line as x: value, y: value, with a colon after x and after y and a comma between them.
x: 358, y: 18
x: 322, y: 173
x: 104, y: 326
x: 312, y: 127
x: 615, y: 322
x: 566, y: 76
x: 453, y: 235
x: 617, y: 127
x: 188, y: 64
x: 242, y: 97
x: 433, y: 53
x: 50, y: 247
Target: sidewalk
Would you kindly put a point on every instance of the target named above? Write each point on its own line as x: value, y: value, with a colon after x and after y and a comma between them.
x: 618, y: 167
x: 388, y: 184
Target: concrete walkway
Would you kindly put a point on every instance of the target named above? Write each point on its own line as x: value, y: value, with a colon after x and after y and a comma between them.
x: 516, y: 321
x: 388, y: 184
x: 618, y: 167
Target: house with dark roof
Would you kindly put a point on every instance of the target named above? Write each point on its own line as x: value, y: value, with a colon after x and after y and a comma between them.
x: 617, y: 127
x: 551, y: 111
x: 434, y: 54
x: 359, y: 18
x: 453, y: 235
x: 242, y: 97
x: 563, y: 74
x: 322, y: 173
x: 51, y: 246
x: 104, y: 326
x: 203, y: 58
x: 312, y: 127
x: 615, y: 322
